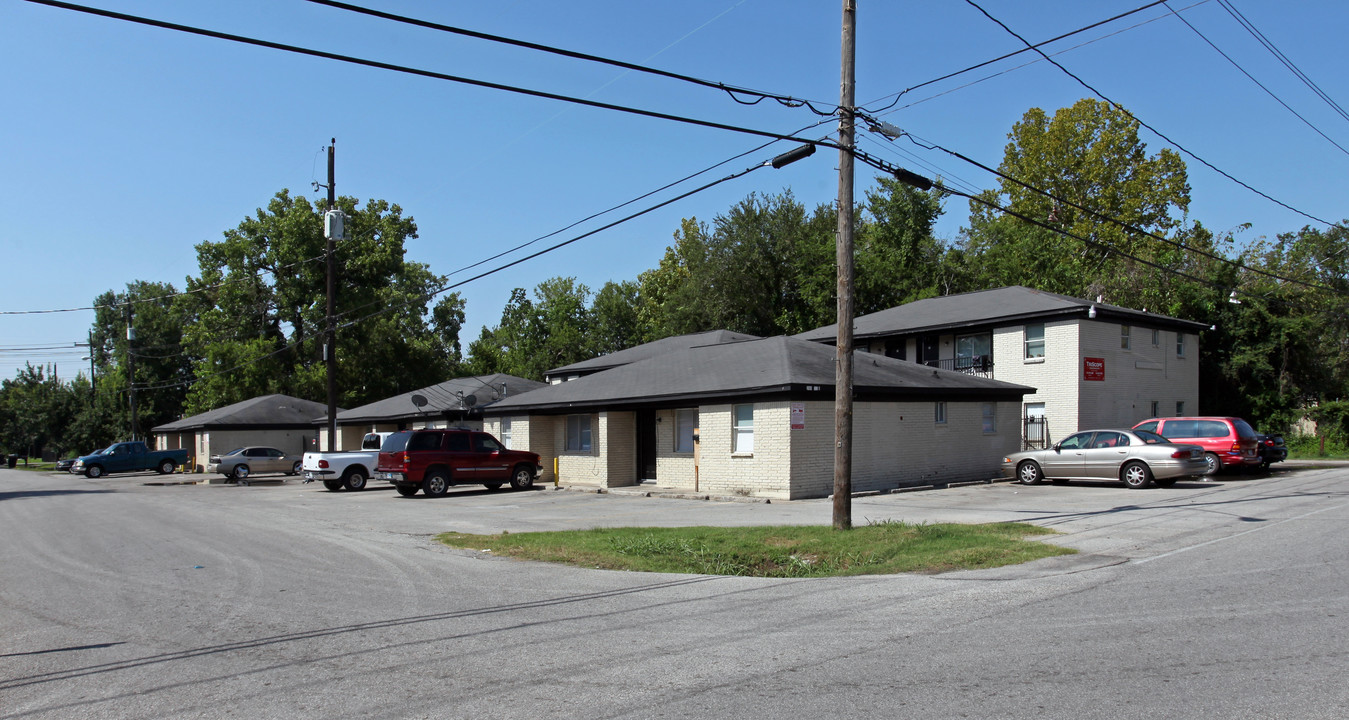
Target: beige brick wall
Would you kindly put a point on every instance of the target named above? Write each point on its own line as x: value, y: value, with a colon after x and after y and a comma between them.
x: 532, y: 434
x: 762, y: 473
x: 1054, y: 376
x: 900, y: 443
x: 1136, y: 376
x: 672, y: 468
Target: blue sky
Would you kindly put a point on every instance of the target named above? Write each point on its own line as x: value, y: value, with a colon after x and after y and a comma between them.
x: 124, y: 146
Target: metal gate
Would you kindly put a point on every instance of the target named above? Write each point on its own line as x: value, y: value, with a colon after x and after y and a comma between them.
x: 1035, y: 432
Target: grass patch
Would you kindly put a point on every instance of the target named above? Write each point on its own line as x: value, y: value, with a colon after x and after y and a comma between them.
x: 780, y: 552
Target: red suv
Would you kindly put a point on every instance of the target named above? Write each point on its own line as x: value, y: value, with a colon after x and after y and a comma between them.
x: 433, y: 460
x: 1227, y: 441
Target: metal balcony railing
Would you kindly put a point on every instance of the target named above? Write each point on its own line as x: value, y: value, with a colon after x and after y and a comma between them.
x: 979, y: 366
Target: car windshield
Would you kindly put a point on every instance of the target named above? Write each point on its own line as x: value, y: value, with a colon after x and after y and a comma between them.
x: 106, y: 451
x: 1150, y: 438
x: 396, y: 442
x: 235, y: 451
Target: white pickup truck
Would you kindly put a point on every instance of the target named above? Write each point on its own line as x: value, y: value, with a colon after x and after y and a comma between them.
x: 348, y: 470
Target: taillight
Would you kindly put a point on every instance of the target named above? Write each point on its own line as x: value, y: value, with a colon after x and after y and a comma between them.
x: 323, y: 463
x: 1180, y: 454
x: 406, y: 459
x: 1270, y: 443
x: 1236, y: 447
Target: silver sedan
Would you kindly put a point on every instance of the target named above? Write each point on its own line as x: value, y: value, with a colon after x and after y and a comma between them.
x: 1134, y: 457
x: 242, y: 462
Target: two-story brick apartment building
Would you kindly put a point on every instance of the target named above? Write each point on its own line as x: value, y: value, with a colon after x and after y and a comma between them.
x: 1092, y: 364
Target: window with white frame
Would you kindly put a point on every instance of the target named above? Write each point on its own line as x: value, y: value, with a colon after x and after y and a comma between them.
x: 506, y: 432
x: 742, y: 438
x: 1124, y: 337
x: 578, y: 433
x: 990, y: 412
x: 1180, y: 344
x: 1156, y: 409
x: 939, y: 413
x: 1156, y: 338
x: 1035, y: 341
x: 686, y: 419
x: 1180, y: 408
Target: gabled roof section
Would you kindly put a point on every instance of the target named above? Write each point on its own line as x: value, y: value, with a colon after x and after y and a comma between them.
x: 650, y: 350
x: 989, y: 308
x: 443, y: 398
x: 264, y: 412
x: 752, y: 368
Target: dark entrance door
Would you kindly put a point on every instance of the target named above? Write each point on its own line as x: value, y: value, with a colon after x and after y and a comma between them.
x: 929, y: 354
x: 646, y: 445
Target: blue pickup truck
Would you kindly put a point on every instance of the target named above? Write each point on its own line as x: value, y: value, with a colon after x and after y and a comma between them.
x: 129, y: 457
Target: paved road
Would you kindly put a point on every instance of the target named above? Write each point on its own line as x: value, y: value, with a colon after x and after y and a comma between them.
x: 122, y: 599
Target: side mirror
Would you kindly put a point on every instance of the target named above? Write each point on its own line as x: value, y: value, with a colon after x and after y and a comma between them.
x: 1058, y: 447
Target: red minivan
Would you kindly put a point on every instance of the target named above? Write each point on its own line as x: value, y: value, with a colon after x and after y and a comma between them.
x: 1227, y: 441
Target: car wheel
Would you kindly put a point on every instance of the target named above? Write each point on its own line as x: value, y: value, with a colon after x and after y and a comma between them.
x: 1028, y: 473
x: 333, y: 485
x: 93, y: 471
x: 166, y: 467
x: 1214, y: 464
x: 354, y: 480
x: 522, y: 477
x: 406, y: 490
x: 436, y: 483
x: 1135, y: 475
x: 240, y: 472
x: 1164, y: 483
x: 295, y: 469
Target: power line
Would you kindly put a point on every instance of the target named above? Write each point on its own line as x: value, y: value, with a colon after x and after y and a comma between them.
x: 986, y: 63
x: 732, y: 90
x: 1116, y: 221
x: 1250, y: 27
x: 418, y: 72
x: 1258, y: 84
x: 1154, y: 130
x: 425, y: 297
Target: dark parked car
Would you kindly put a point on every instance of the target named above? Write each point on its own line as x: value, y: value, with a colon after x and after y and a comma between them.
x: 1271, y: 449
x: 65, y: 465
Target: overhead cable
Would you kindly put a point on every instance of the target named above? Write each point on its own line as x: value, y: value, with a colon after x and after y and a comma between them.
x: 1154, y: 130
x: 1258, y: 84
x: 734, y: 91
x: 416, y: 71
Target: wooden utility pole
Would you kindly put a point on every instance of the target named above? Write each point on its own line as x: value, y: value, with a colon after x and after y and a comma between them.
x: 330, y: 342
x: 131, y: 370
x: 844, y: 248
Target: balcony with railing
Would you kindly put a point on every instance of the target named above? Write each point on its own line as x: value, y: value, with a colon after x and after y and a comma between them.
x: 979, y: 365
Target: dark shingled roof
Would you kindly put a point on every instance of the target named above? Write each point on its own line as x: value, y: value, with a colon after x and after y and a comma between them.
x: 987, y: 308
x: 270, y: 412
x: 649, y: 350
x: 777, y: 366
x: 440, y: 399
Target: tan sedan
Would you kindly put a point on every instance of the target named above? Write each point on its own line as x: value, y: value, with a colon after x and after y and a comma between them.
x: 1136, y: 458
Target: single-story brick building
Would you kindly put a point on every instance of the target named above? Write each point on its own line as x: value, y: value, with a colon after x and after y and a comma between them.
x: 756, y: 417
x: 280, y: 421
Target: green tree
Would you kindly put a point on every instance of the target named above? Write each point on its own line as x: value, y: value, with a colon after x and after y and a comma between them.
x: 260, y: 308
x: 1089, y: 155
x: 163, y: 369
x: 535, y: 336
x: 615, y: 322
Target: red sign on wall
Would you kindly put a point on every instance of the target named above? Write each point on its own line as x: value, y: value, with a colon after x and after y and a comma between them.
x: 1093, y: 368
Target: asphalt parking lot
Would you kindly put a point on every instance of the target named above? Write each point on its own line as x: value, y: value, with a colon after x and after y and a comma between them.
x: 1098, y: 519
